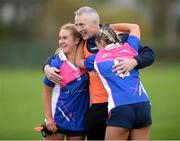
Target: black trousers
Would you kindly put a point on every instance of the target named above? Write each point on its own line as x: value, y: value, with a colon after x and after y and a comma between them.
x: 95, y: 121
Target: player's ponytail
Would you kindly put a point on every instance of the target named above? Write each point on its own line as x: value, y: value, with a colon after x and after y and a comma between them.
x: 107, y: 34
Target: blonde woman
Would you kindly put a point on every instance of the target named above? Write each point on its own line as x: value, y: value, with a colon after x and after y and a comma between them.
x: 64, y: 110
x: 128, y: 103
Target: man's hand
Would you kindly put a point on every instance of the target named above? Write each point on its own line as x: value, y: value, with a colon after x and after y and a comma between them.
x: 52, y: 74
x: 124, y: 66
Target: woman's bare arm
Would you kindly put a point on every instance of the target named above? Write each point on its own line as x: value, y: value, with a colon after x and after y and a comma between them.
x: 132, y: 29
x: 79, y: 59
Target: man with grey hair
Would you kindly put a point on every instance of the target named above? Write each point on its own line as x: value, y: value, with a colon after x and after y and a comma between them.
x: 87, y: 15
x: 87, y: 22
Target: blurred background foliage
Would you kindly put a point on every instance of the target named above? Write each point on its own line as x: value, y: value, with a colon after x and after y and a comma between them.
x: 29, y: 29
x: 29, y: 34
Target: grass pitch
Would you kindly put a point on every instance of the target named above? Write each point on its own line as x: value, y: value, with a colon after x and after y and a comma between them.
x: 21, y: 102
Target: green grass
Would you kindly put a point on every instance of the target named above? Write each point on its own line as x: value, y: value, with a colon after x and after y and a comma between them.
x: 162, y: 83
x: 21, y: 102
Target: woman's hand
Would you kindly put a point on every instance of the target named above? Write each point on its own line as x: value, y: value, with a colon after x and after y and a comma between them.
x: 51, y: 125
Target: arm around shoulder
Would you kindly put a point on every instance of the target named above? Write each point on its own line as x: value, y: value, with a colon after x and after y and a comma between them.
x: 132, y: 29
x: 145, y: 57
x: 79, y: 59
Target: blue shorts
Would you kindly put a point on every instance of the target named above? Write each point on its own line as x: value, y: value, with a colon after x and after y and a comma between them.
x: 132, y: 116
x: 70, y: 133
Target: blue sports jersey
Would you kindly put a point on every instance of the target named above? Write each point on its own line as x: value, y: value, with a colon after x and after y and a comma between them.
x: 121, y: 91
x: 73, y: 99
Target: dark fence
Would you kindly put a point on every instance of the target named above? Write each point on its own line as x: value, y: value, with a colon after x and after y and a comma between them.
x: 25, y: 53
x: 33, y: 53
